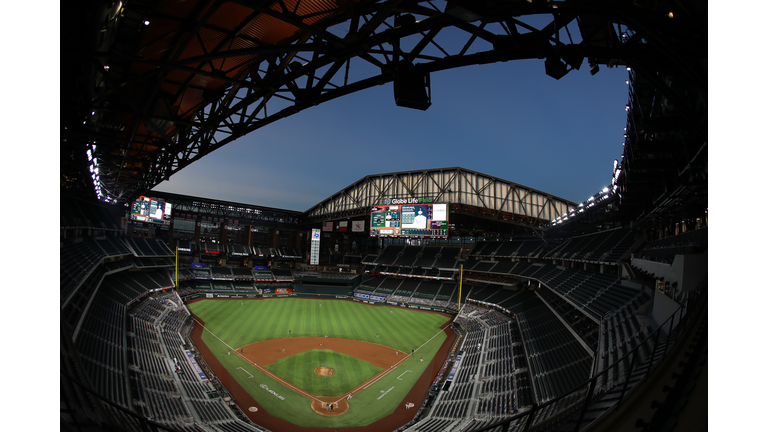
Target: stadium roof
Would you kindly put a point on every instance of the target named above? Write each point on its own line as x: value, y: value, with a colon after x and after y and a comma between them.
x: 488, y: 196
x: 150, y: 86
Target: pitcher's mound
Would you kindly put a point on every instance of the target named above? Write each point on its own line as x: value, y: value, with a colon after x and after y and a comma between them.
x: 324, y: 370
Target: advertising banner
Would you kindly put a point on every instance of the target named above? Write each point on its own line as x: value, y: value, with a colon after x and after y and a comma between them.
x: 372, y: 297
x: 196, y: 366
x: 454, y: 369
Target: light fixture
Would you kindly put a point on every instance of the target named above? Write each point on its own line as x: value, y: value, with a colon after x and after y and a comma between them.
x: 146, y: 22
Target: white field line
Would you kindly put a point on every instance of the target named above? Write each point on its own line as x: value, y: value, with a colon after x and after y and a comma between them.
x: 362, y: 386
x: 251, y: 376
x: 406, y: 371
x: 268, y: 373
x: 382, y: 374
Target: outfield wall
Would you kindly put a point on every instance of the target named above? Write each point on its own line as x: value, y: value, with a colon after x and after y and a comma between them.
x: 216, y: 295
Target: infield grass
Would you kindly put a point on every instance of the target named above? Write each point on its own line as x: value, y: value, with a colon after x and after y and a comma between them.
x: 299, y: 370
x: 257, y: 320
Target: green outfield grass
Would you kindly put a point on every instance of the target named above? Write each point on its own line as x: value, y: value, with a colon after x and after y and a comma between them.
x: 257, y: 320
x: 299, y: 370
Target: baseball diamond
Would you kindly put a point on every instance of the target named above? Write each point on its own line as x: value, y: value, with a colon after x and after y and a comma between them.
x: 292, y: 383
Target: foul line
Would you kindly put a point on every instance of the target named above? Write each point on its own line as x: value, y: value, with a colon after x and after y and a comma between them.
x: 266, y: 372
x: 382, y: 374
x: 362, y: 386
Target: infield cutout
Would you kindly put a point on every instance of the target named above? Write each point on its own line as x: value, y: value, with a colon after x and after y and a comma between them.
x: 324, y: 371
x: 322, y: 406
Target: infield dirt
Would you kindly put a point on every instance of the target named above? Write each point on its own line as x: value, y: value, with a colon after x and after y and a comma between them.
x: 269, y: 351
x: 261, y: 417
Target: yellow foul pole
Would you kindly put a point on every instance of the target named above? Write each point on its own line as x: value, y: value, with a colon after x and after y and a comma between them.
x: 461, y: 277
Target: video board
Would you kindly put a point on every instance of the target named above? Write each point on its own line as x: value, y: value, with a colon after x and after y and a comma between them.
x: 410, y: 220
x: 146, y: 209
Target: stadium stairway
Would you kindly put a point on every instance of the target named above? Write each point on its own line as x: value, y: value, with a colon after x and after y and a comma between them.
x: 646, y: 406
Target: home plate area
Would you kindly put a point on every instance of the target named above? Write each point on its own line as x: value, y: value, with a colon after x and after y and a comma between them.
x: 330, y: 406
x: 269, y: 351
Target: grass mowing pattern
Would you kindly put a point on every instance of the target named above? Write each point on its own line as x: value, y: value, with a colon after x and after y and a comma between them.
x: 299, y: 370
x: 258, y: 320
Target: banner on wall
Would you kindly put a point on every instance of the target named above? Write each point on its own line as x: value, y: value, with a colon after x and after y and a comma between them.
x: 371, y: 297
x: 358, y: 226
x: 195, y: 366
x: 454, y: 369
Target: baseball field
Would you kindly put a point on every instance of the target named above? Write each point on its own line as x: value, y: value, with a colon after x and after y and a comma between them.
x: 296, y: 357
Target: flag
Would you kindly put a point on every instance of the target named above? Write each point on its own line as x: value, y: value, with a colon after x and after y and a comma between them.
x: 343, y: 226
x: 358, y: 226
x: 328, y: 227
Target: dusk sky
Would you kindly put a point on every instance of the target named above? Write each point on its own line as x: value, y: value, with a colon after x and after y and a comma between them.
x: 508, y: 120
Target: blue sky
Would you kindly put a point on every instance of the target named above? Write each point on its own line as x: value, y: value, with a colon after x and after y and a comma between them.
x: 508, y: 120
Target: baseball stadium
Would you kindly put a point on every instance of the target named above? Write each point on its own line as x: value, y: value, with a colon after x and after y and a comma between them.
x: 441, y: 299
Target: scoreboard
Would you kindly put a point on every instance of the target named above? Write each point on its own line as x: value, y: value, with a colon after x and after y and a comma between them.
x: 410, y: 220
x: 146, y: 209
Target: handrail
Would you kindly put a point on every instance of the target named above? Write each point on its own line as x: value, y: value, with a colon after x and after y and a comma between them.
x: 560, y: 416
